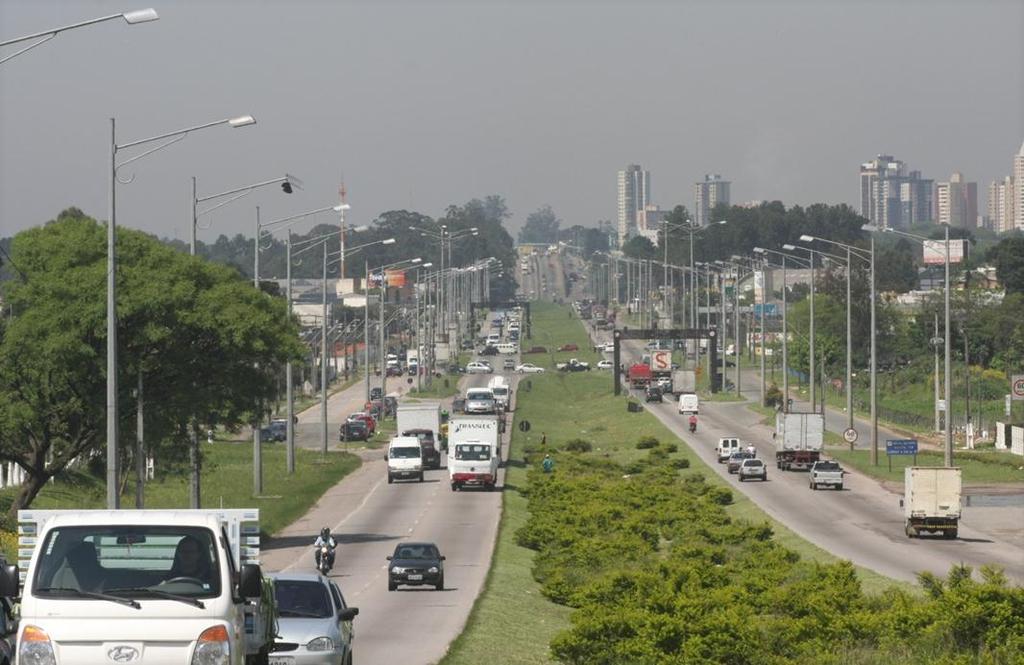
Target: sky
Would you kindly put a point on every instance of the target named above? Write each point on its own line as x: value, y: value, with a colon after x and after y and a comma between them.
x: 420, y: 105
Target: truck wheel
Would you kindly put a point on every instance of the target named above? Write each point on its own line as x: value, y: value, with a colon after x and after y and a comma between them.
x: 910, y: 531
x: 814, y: 485
x: 454, y: 487
x: 839, y: 487
x: 420, y: 478
x: 951, y: 534
x: 391, y: 479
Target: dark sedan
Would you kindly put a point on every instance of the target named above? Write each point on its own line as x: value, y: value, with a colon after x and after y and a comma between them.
x: 736, y: 459
x: 416, y: 564
x: 354, y: 430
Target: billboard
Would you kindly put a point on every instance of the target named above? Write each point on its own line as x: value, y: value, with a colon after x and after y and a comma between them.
x: 396, y: 278
x: 661, y: 361
x: 935, y: 251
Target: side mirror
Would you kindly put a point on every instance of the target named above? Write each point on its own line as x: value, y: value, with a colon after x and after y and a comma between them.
x: 442, y: 558
x: 250, y: 581
x: 348, y: 613
x: 9, y: 581
x: 388, y: 557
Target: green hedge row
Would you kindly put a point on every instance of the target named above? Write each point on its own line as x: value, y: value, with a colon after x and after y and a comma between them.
x: 660, y: 574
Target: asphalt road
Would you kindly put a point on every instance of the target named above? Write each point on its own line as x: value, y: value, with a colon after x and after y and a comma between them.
x: 368, y: 517
x: 863, y: 523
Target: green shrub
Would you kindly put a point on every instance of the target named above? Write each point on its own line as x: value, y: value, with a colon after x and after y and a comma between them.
x: 646, y: 442
x: 681, y: 463
x: 578, y: 446
x: 671, y: 447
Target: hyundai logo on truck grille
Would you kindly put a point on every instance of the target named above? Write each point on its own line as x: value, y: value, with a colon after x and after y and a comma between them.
x: 122, y: 654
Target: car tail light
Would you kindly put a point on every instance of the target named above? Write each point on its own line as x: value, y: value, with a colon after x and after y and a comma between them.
x: 213, y: 647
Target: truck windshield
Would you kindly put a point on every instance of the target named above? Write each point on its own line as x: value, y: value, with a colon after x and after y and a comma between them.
x: 405, y: 453
x: 144, y: 561
x: 472, y: 452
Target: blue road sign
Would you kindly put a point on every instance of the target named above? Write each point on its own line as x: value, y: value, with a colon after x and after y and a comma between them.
x: 901, y: 446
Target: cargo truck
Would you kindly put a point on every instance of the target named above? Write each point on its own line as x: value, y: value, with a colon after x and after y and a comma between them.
x: 798, y: 440
x: 931, y: 500
x: 416, y: 417
x: 146, y: 586
x: 475, y: 428
x: 639, y: 375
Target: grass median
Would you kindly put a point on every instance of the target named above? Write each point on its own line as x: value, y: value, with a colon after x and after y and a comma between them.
x: 226, y: 483
x: 511, y: 611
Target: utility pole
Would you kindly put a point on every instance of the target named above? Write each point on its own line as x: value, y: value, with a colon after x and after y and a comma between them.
x: 289, y: 388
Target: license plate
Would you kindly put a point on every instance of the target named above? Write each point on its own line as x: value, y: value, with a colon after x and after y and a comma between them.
x: 415, y: 578
x: 281, y: 660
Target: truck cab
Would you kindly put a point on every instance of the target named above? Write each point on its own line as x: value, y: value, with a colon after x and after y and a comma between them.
x: 473, y: 464
x: 142, y: 585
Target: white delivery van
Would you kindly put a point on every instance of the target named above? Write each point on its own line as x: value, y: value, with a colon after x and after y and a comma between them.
x: 493, y: 339
x: 726, y: 447
x: 142, y: 586
x: 473, y: 463
x: 502, y: 392
x: 507, y: 348
x: 405, y: 459
x: 689, y: 403
x: 475, y: 428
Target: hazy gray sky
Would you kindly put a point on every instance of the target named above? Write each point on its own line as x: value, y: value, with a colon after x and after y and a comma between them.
x: 423, y: 104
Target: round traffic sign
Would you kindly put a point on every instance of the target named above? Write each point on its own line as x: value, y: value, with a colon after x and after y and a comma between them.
x: 937, y: 341
x: 524, y: 425
x: 1018, y: 387
x: 850, y: 435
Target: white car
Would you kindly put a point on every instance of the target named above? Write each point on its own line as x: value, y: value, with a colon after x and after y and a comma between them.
x: 477, y: 367
x: 609, y: 347
x: 527, y: 368
x: 605, y: 364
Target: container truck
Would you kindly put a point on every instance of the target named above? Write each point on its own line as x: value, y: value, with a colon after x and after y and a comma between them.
x: 146, y: 586
x: 798, y: 440
x: 639, y: 375
x: 415, y: 417
x: 931, y: 500
x: 475, y: 428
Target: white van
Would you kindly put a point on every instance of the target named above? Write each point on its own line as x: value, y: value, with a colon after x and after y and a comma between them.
x: 493, y: 339
x: 507, y: 347
x: 689, y: 403
x: 405, y: 458
x: 726, y: 447
x: 502, y: 392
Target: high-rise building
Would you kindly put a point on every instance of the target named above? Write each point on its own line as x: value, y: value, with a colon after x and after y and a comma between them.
x: 1000, y: 205
x: 1018, y: 189
x: 957, y: 202
x: 707, y: 194
x: 634, y: 195
x: 892, y: 197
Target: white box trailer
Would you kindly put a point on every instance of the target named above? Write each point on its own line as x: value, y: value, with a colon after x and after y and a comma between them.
x: 174, y: 586
x: 475, y: 428
x: 798, y: 439
x: 931, y: 500
x: 419, y: 414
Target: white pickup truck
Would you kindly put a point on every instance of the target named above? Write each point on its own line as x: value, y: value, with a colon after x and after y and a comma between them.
x: 142, y: 586
x: 826, y: 473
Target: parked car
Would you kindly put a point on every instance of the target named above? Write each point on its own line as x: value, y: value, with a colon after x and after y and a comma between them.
x: 477, y: 367
x: 489, y: 350
x: 605, y: 364
x: 277, y: 430
x: 528, y: 368
x: 652, y: 394
x: 371, y: 422
x: 314, y: 621
x: 537, y: 349
x: 353, y: 430
x: 416, y: 564
x: 568, y: 347
x: 752, y: 468
x: 573, y: 365
x: 736, y: 459
x: 509, y: 363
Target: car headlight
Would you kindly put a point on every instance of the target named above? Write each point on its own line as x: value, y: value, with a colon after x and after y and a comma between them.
x: 320, y: 644
x: 213, y: 647
x: 432, y: 569
x: 35, y: 647
x: 398, y: 570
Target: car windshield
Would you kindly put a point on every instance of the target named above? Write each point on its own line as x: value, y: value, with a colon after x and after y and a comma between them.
x: 302, y: 598
x: 416, y: 552
x: 404, y: 452
x: 472, y: 452
x: 130, y: 561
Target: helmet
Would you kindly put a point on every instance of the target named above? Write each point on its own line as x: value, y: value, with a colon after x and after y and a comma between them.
x: 325, y: 533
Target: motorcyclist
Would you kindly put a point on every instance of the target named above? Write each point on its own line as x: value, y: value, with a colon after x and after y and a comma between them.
x: 693, y: 422
x: 325, y: 538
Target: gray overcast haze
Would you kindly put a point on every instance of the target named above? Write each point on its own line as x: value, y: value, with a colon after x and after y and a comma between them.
x: 421, y: 105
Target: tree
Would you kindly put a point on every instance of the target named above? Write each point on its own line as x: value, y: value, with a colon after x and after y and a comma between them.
x: 207, y: 345
x: 541, y: 227
x: 639, y: 247
x: 1008, y: 257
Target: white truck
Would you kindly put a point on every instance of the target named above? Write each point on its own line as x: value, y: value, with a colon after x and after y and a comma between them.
x: 422, y: 415
x: 798, y: 440
x: 826, y: 473
x: 684, y: 381
x: 502, y: 392
x: 473, y: 463
x: 931, y: 500
x: 142, y: 586
x: 475, y: 428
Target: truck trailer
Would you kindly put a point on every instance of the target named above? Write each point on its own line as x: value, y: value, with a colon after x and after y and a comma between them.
x: 931, y: 500
x: 798, y: 440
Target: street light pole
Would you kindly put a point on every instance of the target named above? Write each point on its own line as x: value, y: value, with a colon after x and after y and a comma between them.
x: 323, y: 359
x: 131, y: 18
x: 289, y: 388
x: 948, y: 448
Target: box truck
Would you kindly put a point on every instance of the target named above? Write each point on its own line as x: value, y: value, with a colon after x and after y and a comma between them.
x: 798, y: 440
x: 931, y: 500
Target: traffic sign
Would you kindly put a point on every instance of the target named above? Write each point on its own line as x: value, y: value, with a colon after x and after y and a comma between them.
x: 941, y: 406
x: 850, y: 435
x: 661, y: 361
x: 1017, y: 386
x: 524, y: 425
x: 901, y: 446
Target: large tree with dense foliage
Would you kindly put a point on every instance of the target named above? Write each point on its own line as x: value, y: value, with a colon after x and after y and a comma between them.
x: 207, y: 345
x: 541, y: 227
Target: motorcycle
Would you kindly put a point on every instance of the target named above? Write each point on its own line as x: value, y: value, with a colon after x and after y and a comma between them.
x: 324, y: 559
x: 693, y: 427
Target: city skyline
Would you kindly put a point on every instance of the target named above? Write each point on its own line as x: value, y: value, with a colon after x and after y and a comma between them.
x: 416, y: 107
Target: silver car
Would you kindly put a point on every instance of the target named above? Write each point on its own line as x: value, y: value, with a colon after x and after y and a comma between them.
x: 314, y: 623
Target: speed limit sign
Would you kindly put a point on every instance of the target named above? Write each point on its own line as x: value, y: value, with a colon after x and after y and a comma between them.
x: 850, y: 435
x: 1017, y: 386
